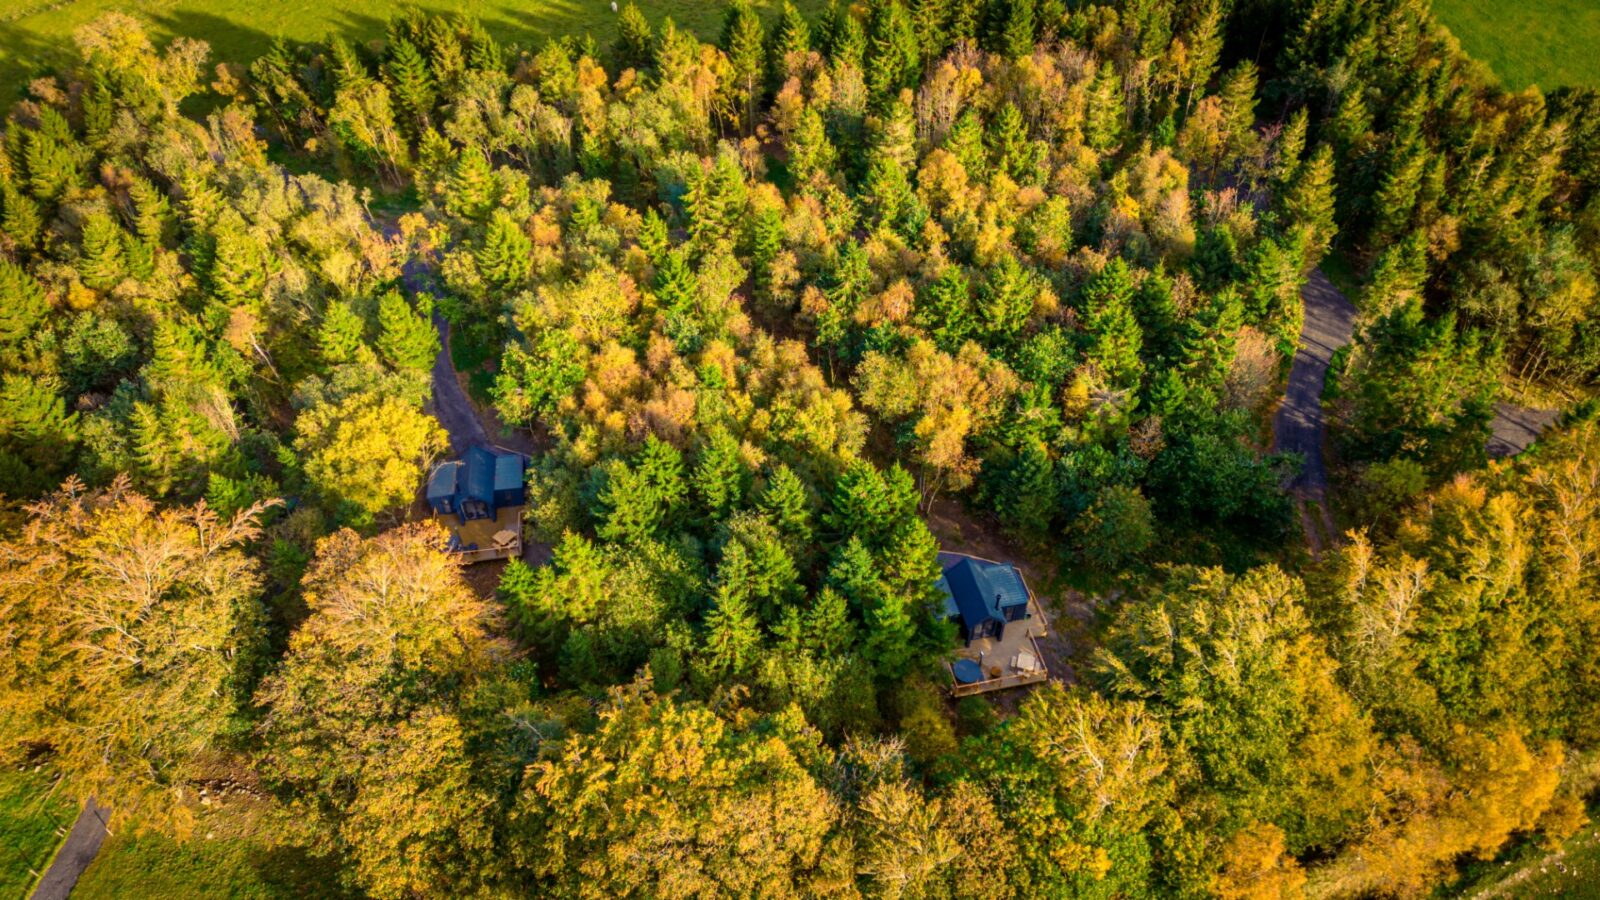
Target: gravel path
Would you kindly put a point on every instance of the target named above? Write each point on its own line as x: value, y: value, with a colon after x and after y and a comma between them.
x: 1299, y: 427
x: 1515, y: 427
x: 451, y: 405
x: 82, y: 843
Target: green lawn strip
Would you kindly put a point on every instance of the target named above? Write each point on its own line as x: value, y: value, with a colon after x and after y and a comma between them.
x: 1545, y: 42
x: 32, y: 827
x: 154, y: 865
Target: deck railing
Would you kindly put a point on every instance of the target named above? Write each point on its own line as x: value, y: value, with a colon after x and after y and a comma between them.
x: 1015, y: 679
x: 483, y: 554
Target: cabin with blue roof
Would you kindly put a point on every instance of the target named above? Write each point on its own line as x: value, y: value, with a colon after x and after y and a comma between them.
x: 477, y: 486
x: 982, y: 597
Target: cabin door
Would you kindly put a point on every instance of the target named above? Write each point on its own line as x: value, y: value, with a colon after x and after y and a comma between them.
x: 474, y: 509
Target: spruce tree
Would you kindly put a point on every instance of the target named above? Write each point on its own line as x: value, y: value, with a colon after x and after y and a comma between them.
x: 1114, y: 337
x: 733, y: 637
x: 471, y: 190
x: 505, y: 259
x: 1010, y: 148
x: 98, y: 109
x: 966, y: 143
x: 446, y: 59
x: 35, y: 425
x: 790, y: 37
x: 1287, y: 150
x: 406, y: 339
x: 339, y: 335
x: 1006, y: 301
x: 827, y: 630
x: 23, y: 305
x: 786, y: 503
x: 101, y: 263
x: 1103, y: 120
x: 483, y: 51
x: 1238, y: 95
x: 52, y: 170
x: 239, y: 264
x: 653, y: 238
x: 635, y: 43
x: 21, y: 219
x: 744, y: 41
x: 929, y: 21
x: 766, y: 242
x: 889, y: 635
x: 849, y: 44
x: 1308, y: 206
x: 893, y: 61
x: 720, y: 474
x: 662, y: 471
x: 811, y: 154
x: 1017, y: 29
x: 678, y: 300
x: 152, y: 219
x: 946, y: 309
x: 406, y: 71
x: 347, y: 71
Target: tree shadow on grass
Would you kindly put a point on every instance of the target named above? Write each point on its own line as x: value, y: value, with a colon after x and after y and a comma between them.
x: 294, y: 872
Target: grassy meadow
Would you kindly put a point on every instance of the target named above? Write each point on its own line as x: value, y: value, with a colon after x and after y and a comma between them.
x: 153, y: 865
x: 1550, y: 43
x: 29, y: 821
x: 35, y: 33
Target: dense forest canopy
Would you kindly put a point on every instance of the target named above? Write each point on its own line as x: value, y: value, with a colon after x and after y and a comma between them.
x: 761, y: 307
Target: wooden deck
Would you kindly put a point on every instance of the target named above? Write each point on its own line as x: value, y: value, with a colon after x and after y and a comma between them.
x: 997, y: 657
x: 481, y: 532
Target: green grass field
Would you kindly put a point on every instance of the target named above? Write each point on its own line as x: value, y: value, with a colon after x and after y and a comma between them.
x: 230, y: 866
x: 29, y: 821
x: 36, y: 33
x: 1550, y: 43
x: 1574, y: 876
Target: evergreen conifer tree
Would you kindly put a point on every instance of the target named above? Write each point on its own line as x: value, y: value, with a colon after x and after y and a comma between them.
x: 720, y: 474
x: 635, y: 42
x: 1308, y: 206
x: 733, y: 637
x: 1017, y: 29
x: 338, y: 336
x: 1010, y: 148
x: 23, y: 305
x: 472, y: 191
x: 946, y: 310
x: 505, y: 258
x: 785, y: 502
x: 406, y: 339
x: 406, y: 72
x: 51, y: 168
x: 1104, y: 117
x: 929, y: 21
x: 744, y: 41
x: 20, y: 218
x: 811, y: 154
x: 789, y: 37
x: 101, y: 263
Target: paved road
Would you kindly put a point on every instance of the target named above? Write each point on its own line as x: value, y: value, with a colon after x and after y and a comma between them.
x: 1515, y: 427
x: 450, y: 403
x: 1330, y: 320
x: 1299, y: 426
x: 82, y: 843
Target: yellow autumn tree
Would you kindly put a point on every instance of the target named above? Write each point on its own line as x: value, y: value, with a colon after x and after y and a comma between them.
x: 130, y: 634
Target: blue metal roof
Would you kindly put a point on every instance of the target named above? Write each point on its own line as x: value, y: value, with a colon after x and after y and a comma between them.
x: 507, y: 472
x: 978, y: 591
x: 442, y: 483
x: 479, y: 481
